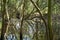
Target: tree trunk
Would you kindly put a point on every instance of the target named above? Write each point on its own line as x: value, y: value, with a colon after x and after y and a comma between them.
x: 36, y: 29
x: 21, y: 35
x: 4, y: 21
x: 49, y: 21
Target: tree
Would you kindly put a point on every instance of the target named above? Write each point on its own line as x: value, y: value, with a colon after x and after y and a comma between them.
x: 36, y: 30
x: 49, y: 21
x: 38, y: 9
x: 21, y: 35
x: 3, y: 19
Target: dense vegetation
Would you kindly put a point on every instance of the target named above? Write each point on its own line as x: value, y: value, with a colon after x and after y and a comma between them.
x: 30, y: 19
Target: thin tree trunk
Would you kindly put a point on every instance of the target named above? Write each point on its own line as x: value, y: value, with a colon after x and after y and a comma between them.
x: 49, y: 21
x: 21, y: 35
x: 36, y: 29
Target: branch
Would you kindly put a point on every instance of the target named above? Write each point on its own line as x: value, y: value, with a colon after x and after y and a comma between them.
x: 38, y: 9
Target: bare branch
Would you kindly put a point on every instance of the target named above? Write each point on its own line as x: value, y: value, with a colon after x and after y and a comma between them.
x: 38, y: 9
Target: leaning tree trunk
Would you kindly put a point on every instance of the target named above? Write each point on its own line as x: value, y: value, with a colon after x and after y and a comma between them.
x: 49, y: 21
x: 38, y: 9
